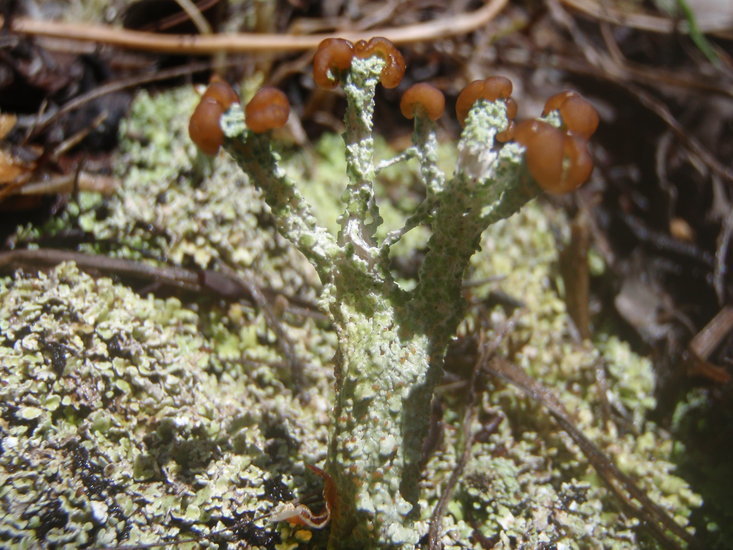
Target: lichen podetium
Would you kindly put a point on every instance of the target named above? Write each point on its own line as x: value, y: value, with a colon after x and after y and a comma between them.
x: 391, y: 341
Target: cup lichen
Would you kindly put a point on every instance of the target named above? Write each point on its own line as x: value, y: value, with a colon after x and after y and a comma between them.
x: 131, y: 420
x: 392, y: 341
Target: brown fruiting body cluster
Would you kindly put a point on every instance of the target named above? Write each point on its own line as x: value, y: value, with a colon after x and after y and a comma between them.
x: 558, y: 158
x: 204, y: 126
x: 268, y: 109
x: 490, y: 89
x: 394, y: 68
x: 335, y: 55
x: 424, y: 99
x: 578, y: 116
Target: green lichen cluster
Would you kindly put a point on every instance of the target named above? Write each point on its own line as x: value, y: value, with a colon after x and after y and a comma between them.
x: 128, y: 420
x: 117, y: 426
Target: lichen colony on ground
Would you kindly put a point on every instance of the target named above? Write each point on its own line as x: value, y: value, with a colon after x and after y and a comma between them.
x: 128, y: 419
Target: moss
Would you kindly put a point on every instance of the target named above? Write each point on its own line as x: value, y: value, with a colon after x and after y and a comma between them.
x: 132, y: 420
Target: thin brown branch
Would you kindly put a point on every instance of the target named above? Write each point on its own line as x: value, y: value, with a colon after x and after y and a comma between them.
x: 689, y: 141
x: 219, y: 284
x: 177, y: 277
x: 704, y: 344
x: 468, y: 436
x: 64, y: 183
x: 264, y: 303
x: 194, y: 14
x: 250, y: 42
x: 473, y: 395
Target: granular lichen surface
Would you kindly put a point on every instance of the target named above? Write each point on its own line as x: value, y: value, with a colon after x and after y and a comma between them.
x: 129, y: 419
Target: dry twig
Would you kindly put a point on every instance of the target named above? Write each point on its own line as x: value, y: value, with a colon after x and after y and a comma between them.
x: 249, y: 42
x: 219, y: 284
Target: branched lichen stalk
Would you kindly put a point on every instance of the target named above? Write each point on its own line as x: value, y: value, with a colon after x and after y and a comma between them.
x: 486, y: 187
x: 380, y: 365
x: 289, y: 208
x: 391, y: 343
x: 425, y: 151
x: 361, y: 218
